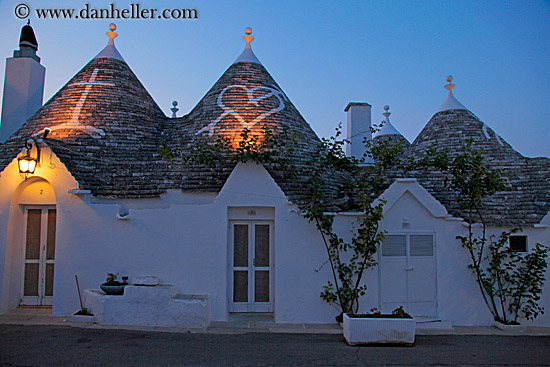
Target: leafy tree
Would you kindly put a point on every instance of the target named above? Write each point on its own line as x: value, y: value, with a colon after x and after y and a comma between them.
x: 510, y: 282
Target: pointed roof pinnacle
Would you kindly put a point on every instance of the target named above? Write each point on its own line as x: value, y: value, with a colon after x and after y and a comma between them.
x: 174, y: 109
x: 387, y: 113
x: 387, y: 127
x: 248, y: 55
x: 110, y: 50
x: 451, y: 103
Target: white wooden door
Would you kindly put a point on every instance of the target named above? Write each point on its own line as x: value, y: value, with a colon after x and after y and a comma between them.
x: 407, y: 274
x: 40, y: 224
x: 251, y: 266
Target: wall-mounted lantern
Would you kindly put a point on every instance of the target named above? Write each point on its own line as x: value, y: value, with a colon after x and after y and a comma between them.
x: 27, y: 163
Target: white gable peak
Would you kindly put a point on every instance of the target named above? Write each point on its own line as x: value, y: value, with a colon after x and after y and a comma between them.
x: 402, y: 186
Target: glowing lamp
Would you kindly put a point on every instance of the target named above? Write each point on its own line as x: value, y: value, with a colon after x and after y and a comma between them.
x: 27, y: 164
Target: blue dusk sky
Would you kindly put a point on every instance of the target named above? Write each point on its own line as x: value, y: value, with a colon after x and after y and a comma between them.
x: 325, y: 54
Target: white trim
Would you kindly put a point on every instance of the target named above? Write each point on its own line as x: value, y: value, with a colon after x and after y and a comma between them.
x: 545, y: 221
x: 79, y: 192
x: 344, y: 214
x: 454, y: 219
x: 400, y: 187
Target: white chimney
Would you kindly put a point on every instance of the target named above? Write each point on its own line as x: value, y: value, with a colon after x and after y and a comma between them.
x: 358, y: 128
x: 23, y: 84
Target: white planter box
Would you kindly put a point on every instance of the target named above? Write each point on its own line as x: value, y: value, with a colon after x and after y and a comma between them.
x: 379, y: 331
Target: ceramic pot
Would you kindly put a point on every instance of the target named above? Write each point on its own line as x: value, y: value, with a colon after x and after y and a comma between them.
x: 112, y: 289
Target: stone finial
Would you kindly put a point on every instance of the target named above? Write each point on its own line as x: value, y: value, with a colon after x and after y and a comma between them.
x: 386, y: 112
x: 247, y: 55
x: 111, y: 33
x: 451, y: 103
x: 449, y: 86
x: 110, y: 50
x: 174, y: 109
x: 248, y: 38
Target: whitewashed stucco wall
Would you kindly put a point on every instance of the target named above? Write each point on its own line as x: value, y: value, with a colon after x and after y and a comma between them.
x: 187, y: 245
x: 459, y: 299
x: 12, y: 232
x: 183, y: 239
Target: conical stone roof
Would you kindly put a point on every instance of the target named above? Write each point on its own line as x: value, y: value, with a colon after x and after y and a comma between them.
x: 245, y: 96
x: 389, y: 135
x: 527, y: 198
x: 451, y: 130
x: 108, y: 131
x: 105, y: 127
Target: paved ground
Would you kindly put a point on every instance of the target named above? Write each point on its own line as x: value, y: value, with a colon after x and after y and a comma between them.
x: 32, y: 337
x: 53, y: 345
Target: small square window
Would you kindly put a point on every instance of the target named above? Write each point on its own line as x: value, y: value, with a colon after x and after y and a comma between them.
x: 518, y: 243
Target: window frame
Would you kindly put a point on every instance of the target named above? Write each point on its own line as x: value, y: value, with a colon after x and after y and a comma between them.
x: 526, y: 244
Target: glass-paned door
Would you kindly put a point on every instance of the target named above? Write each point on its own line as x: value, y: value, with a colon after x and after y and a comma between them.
x: 407, y: 274
x: 251, y: 267
x: 39, y: 263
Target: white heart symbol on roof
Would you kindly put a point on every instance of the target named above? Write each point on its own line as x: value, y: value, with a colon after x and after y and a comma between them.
x: 271, y: 92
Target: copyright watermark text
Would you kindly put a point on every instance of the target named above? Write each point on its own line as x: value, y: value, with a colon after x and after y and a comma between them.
x: 134, y: 11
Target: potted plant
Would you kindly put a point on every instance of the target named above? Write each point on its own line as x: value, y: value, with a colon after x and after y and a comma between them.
x: 112, y: 286
x: 377, y: 328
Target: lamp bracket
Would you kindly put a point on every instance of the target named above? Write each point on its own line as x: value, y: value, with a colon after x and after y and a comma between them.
x: 28, y: 146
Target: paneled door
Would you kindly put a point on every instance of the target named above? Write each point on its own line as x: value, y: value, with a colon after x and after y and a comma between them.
x: 39, y: 255
x: 407, y: 274
x: 251, y: 270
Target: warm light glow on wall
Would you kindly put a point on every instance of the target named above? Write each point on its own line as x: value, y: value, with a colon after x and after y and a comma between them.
x: 235, y: 137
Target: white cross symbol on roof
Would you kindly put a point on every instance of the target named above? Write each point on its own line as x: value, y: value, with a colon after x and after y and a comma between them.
x: 74, y: 123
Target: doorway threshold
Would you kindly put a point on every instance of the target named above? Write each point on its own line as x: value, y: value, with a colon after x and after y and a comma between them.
x: 252, y: 316
x: 245, y: 320
x: 31, y: 311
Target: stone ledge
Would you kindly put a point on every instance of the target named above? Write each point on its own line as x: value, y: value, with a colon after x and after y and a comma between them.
x: 149, y: 306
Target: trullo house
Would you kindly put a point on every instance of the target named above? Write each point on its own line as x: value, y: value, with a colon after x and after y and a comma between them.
x: 103, y: 199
